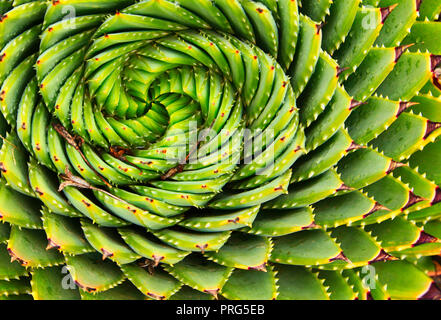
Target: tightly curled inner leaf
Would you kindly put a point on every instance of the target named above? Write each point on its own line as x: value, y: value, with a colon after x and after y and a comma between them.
x: 197, y: 149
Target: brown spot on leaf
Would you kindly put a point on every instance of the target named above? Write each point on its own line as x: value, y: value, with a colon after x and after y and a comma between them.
x: 86, y: 203
x: 39, y: 192
x: 235, y: 221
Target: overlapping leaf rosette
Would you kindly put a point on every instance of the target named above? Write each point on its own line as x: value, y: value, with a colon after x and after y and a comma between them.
x: 238, y: 149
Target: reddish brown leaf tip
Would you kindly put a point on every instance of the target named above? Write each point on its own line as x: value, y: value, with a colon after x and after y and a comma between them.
x: 404, y: 106
x: 106, y: 254
x: 431, y: 127
x: 262, y: 267
x: 157, y: 259
x: 202, y: 247
x: 51, y: 245
x: 85, y: 288
x: 401, y: 49
x: 386, y: 11
x: 343, y: 187
x: 418, y: 4
x: 213, y: 292
x: 433, y: 293
x: 424, y: 238
x: 319, y: 27
x: 413, y: 199
x: 340, y: 70
x: 155, y: 296
x: 354, y: 146
x: 341, y: 256
x: 394, y: 165
x: 14, y: 257
x: 437, y: 197
x: 377, y: 207
x: 355, y: 104
x: 383, y: 256
x: 310, y: 226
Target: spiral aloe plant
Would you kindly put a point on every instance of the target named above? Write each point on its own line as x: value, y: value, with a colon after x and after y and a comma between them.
x: 237, y: 149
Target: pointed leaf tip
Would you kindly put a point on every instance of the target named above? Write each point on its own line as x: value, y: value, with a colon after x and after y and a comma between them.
x: 354, y: 146
x: 106, y: 254
x: 394, y: 165
x: 413, y: 199
x: 213, y: 292
x: 340, y: 70
x: 386, y: 11
x: 262, y: 267
x: 341, y: 256
x: 202, y: 247
x: 377, y: 207
x: 343, y: 187
x: 355, y: 104
x: 431, y: 127
x: 382, y: 257
x: 319, y: 27
x: 401, y: 49
x: 404, y: 106
x: 424, y: 238
x: 418, y: 4
x: 51, y: 245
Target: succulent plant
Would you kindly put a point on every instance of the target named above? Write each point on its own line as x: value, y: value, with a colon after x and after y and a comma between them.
x: 237, y: 149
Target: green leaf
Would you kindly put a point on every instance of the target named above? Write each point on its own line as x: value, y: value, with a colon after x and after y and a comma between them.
x: 92, y: 274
